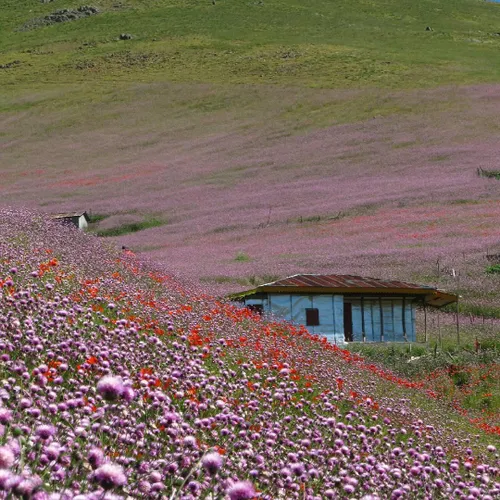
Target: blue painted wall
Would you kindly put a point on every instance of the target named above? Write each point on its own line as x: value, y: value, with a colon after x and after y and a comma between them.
x: 292, y: 307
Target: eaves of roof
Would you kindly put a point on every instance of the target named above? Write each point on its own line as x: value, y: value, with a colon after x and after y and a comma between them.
x: 357, y: 286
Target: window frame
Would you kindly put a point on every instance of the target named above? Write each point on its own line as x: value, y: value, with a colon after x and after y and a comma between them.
x: 312, y: 316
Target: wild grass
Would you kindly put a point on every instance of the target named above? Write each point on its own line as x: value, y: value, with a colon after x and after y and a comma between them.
x: 315, y: 219
x: 473, y: 309
x: 466, y: 373
x: 494, y: 269
x: 242, y: 257
x: 95, y: 218
x: 489, y: 174
x: 416, y: 359
x: 131, y: 227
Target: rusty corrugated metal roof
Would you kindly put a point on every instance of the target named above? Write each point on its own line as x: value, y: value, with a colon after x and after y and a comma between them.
x: 348, y: 284
x: 68, y: 214
x: 341, y: 281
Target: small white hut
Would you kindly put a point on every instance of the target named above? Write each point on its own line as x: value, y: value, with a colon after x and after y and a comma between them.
x: 346, y: 308
x: 79, y: 219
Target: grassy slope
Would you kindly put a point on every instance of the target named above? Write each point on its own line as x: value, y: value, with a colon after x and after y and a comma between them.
x: 323, y: 43
x: 465, y: 375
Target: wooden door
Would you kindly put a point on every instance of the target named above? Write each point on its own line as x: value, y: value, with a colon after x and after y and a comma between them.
x: 347, y: 322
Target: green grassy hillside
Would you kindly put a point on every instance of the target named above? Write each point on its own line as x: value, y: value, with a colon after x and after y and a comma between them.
x: 325, y: 43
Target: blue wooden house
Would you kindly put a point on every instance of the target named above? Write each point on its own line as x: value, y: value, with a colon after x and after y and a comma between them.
x: 346, y: 308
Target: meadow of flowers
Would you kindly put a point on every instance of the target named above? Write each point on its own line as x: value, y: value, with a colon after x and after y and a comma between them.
x: 372, y: 182
x: 118, y: 381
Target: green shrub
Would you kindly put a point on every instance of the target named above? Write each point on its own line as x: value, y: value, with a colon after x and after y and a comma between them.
x: 95, y: 218
x: 460, y: 378
x: 242, y: 257
x: 494, y: 269
x: 131, y: 227
x: 489, y: 174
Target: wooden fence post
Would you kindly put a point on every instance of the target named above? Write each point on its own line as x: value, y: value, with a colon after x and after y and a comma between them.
x: 425, y: 323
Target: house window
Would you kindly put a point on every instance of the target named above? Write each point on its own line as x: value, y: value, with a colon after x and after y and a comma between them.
x: 312, y: 317
x: 256, y: 308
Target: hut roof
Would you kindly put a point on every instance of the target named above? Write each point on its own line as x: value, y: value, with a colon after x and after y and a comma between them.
x: 69, y: 215
x: 348, y: 284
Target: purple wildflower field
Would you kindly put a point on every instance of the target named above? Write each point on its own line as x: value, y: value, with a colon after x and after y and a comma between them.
x: 121, y: 381
x: 382, y: 184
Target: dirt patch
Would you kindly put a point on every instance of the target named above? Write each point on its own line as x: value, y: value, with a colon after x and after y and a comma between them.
x: 11, y: 64
x: 60, y: 16
x: 121, y: 60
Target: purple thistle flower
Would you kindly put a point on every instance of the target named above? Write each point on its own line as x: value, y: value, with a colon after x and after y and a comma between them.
x: 297, y: 468
x: 45, y: 431
x: 7, y: 457
x: 95, y: 457
x: 27, y: 486
x: 109, y: 476
x: 144, y: 487
x: 157, y: 487
x: 128, y: 394
x: 349, y: 488
x: 14, y: 445
x: 155, y: 477
x: 40, y: 495
x: 189, y: 441
x: 212, y: 462
x: 110, y: 388
x: 52, y: 452
x: 194, y: 486
x: 6, y: 479
x: 285, y: 472
x: 5, y: 416
x: 241, y: 490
